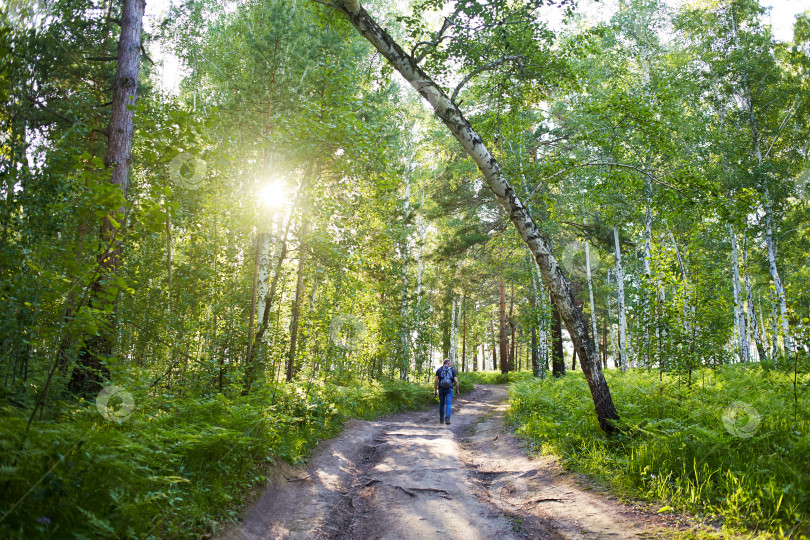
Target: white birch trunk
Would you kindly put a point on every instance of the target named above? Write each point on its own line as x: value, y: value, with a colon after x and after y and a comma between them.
x: 739, y: 310
x: 751, y: 312
x: 492, y: 173
x: 622, y: 318
x: 590, y: 293
x: 263, y: 272
x: 777, y: 281
x: 774, y: 327
x: 405, y: 330
x: 542, y: 334
x: 647, y: 268
x: 611, y: 329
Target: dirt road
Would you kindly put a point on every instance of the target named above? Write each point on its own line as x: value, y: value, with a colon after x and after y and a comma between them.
x: 408, y: 477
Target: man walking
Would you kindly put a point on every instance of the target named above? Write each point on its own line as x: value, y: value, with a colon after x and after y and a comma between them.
x: 446, y: 377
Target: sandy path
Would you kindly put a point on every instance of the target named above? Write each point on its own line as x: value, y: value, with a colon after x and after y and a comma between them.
x: 407, y: 477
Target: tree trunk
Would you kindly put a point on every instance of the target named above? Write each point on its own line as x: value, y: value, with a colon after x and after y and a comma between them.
x: 751, y: 312
x: 91, y: 370
x: 647, y: 269
x: 622, y: 319
x: 777, y: 281
x: 504, y: 346
x: 295, y: 313
x: 262, y: 276
x: 574, y: 360
x: 494, y: 344
x: 253, y: 303
x: 510, y: 366
x: 540, y: 345
x: 255, y: 340
x: 688, y: 310
x: 404, y: 330
x: 463, y: 335
x: 452, y: 351
x: 739, y: 309
x: 605, y: 328
x: 590, y: 293
x: 557, y: 358
x: 471, y: 142
x: 535, y: 363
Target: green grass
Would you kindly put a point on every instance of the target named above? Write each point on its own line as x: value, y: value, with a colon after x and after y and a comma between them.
x: 177, y: 467
x: 675, y: 448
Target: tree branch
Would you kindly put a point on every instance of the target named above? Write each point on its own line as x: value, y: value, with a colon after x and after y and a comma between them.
x: 438, y: 37
x: 610, y: 164
x: 486, y: 67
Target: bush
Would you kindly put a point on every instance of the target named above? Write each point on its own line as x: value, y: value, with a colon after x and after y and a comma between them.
x: 493, y: 377
x: 695, y: 449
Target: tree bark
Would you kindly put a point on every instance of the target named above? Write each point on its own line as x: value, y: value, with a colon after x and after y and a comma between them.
x: 255, y: 340
x: 504, y: 346
x: 299, y: 294
x: 590, y: 293
x: 494, y: 344
x: 91, y: 370
x: 557, y: 358
x: 510, y: 366
x: 622, y: 319
x: 463, y: 335
x: 405, y: 332
x: 751, y: 312
x: 779, y: 289
x: 739, y: 309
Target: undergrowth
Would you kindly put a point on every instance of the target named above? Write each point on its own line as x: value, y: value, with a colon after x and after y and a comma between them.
x: 492, y: 377
x: 177, y: 466
x: 733, y: 448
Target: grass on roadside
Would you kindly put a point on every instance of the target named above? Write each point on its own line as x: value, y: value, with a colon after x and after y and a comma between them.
x: 733, y: 448
x: 177, y: 466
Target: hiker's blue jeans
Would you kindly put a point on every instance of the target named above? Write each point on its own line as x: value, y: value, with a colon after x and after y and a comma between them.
x: 445, y: 402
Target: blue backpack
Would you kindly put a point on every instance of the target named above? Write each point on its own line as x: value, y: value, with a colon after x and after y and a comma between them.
x: 446, y: 380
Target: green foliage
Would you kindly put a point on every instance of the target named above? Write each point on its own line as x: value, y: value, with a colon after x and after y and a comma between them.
x: 676, y: 446
x: 493, y: 377
x: 177, y: 466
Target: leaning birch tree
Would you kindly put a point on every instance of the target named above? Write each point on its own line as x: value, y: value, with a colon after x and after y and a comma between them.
x: 447, y: 110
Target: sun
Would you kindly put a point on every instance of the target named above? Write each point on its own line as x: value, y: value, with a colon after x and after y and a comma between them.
x: 272, y: 195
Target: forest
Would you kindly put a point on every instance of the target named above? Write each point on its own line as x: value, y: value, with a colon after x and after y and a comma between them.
x: 230, y: 230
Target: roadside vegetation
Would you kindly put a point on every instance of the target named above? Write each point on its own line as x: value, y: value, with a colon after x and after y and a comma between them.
x: 178, y: 466
x: 733, y: 447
